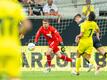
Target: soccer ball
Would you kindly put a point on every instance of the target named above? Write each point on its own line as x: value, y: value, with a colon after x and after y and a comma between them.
x: 31, y: 46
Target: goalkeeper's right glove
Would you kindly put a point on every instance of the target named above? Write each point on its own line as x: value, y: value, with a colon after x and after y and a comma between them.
x: 62, y: 49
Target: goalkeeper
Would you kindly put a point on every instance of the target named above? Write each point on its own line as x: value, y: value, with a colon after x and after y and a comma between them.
x: 54, y: 39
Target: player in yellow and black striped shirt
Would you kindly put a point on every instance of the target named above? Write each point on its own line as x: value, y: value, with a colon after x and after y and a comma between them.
x: 11, y: 13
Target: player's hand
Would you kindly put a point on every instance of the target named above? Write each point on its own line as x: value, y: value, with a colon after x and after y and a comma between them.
x: 21, y: 36
x: 63, y: 49
x: 77, y: 40
x: 49, y: 35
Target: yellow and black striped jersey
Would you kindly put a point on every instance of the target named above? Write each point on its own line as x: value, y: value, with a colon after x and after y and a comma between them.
x: 11, y: 13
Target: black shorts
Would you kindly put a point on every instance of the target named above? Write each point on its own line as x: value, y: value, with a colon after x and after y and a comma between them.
x: 96, y: 42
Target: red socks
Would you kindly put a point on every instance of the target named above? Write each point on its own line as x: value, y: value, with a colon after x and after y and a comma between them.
x: 65, y: 58
x: 49, y: 60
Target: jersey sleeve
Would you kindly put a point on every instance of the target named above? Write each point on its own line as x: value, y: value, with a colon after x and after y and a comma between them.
x: 38, y: 34
x: 57, y: 34
x: 82, y: 27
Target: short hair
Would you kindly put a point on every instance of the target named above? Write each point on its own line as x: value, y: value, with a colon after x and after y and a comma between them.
x: 91, y: 16
x: 77, y: 16
x: 45, y: 20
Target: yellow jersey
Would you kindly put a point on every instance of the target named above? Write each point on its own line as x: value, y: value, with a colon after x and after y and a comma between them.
x: 86, y: 41
x: 88, y: 28
x: 86, y: 11
x: 11, y: 13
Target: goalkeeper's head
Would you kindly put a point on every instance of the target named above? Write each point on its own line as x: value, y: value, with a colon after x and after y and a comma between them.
x: 45, y: 23
x: 91, y: 16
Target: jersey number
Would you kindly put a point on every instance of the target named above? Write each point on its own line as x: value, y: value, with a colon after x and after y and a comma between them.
x: 90, y: 30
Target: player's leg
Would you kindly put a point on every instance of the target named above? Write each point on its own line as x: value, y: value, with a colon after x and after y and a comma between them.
x: 99, y: 47
x: 63, y: 57
x: 91, y: 66
x: 88, y: 55
x: 90, y: 60
x: 78, y: 62
x: 56, y: 50
x: 48, y: 55
x: 102, y: 51
x: 80, y: 51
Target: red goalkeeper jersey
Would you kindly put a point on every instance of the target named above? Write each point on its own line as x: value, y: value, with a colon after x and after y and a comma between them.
x: 50, y: 33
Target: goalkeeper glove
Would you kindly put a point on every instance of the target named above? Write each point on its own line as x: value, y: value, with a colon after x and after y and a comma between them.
x: 62, y: 47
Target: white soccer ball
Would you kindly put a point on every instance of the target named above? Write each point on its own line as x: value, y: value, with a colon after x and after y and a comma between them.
x: 31, y: 46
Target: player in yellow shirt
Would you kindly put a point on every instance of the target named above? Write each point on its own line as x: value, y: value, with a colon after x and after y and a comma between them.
x: 85, y: 41
x: 11, y: 14
x: 87, y: 8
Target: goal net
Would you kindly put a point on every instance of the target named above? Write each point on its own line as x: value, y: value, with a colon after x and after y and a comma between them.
x: 67, y: 29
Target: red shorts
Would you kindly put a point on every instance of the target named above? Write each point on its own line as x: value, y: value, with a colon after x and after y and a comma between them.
x: 54, y: 46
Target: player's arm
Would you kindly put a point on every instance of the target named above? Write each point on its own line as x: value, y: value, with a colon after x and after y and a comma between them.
x: 97, y: 31
x: 78, y: 37
x: 24, y: 27
x: 82, y: 29
x: 38, y: 34
x: 58, y: 35
x: 84, y: 11
x: 60, y: 39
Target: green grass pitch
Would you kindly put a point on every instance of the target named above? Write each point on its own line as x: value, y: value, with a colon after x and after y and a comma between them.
x: 63, y: 75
